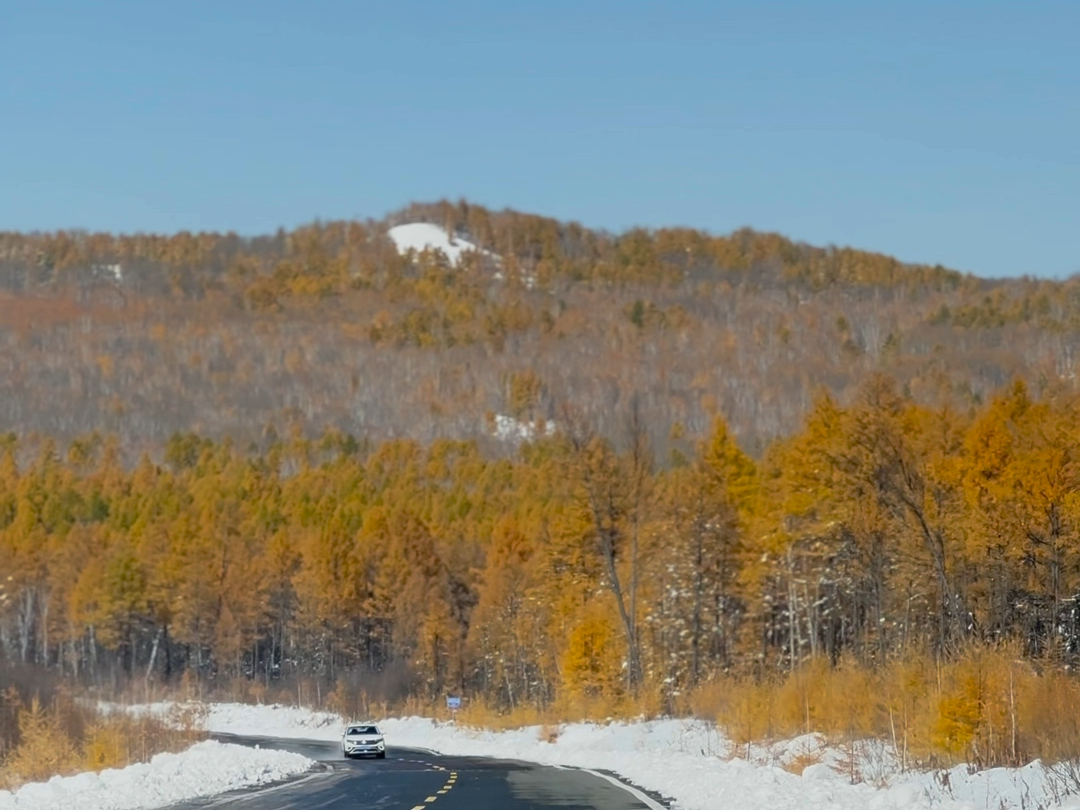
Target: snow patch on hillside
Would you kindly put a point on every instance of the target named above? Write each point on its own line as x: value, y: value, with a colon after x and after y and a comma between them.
x: 508, y: 429
x: 205, y: 769
x: 421, y: 236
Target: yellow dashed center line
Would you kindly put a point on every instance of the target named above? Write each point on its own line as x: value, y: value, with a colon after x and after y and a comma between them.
x: 446, y: 788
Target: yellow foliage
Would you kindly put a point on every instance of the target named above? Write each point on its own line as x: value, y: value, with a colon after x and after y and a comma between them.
x: 957, y: 719
x: 748, y: 712
x: 44, y: 750
x: 973, y: 719
x: 1047, y: 712
x: 105, y: 747
x: 591, y: 664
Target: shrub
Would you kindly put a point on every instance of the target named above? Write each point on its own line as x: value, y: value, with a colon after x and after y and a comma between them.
x: 44, y: 749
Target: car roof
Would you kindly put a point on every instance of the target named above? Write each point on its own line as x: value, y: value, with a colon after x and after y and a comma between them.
x: 361, y: 725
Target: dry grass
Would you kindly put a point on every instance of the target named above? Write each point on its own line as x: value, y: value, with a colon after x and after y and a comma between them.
x: 548, y: 734
x: 67, y: 737
x: 986, y: 707
x: 800, y: 762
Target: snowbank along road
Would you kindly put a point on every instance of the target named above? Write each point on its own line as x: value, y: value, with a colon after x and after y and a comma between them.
x: 414, y: 779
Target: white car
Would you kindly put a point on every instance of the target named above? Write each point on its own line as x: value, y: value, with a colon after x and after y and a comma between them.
x: 362, y: 739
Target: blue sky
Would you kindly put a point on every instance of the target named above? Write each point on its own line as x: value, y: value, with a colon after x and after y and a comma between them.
x: 935, y: 131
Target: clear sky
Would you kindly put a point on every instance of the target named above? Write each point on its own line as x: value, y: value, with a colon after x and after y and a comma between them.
x: 935, y: 131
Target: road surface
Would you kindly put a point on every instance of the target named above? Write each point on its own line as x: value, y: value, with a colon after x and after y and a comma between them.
x: 411, y: 779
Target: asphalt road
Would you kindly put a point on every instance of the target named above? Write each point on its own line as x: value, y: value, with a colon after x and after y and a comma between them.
x: 410, y: 779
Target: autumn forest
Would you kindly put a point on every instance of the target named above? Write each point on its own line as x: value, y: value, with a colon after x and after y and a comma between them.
x: 576, y: 473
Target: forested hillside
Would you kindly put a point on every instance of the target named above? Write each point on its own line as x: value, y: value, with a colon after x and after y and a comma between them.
x: 578, y: 470
x: 327, y: 327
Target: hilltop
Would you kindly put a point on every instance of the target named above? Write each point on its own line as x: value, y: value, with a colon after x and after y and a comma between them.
x: 508, y: 316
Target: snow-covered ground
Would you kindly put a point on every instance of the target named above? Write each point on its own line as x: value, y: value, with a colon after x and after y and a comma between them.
x: 421, y: 236
x: 205, y: 769
x: 688, y: 761
x: 692, y: 763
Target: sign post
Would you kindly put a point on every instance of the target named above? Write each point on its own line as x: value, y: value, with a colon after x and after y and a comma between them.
x: 453, y: 704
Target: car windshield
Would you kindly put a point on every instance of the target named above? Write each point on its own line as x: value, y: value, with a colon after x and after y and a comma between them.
x: 363, y: 730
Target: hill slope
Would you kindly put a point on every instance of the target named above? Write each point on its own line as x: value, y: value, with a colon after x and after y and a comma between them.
x: 337, y: 325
